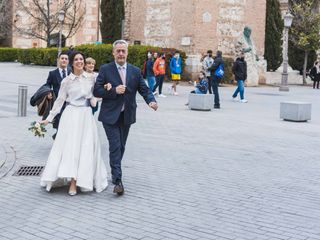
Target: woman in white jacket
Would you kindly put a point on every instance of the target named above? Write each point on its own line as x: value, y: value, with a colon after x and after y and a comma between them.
x: 75, y: 156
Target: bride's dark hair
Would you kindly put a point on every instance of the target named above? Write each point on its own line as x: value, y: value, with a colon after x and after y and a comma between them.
x: 71, y: 60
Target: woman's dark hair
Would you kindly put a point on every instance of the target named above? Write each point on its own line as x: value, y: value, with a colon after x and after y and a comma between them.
x: 71, y: 60
x: 62, y: 53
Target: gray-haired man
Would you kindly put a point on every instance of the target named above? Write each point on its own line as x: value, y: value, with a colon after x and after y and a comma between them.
x: 118, y: 109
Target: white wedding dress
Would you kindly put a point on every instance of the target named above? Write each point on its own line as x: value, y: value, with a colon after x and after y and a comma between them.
x: 76, y: 151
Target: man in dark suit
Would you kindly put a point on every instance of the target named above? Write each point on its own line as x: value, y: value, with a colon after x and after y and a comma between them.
x: 54, y: 81
x: 118, y: 109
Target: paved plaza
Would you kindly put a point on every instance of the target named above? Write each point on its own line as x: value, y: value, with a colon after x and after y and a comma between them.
x: 239, y: 172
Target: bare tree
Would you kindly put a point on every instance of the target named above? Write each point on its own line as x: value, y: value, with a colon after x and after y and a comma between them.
x: 5, y: 19
x: 43, y: 19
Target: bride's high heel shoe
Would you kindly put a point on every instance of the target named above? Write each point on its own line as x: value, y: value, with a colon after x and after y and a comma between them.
x: 72, y: 192
x: 48, y: 187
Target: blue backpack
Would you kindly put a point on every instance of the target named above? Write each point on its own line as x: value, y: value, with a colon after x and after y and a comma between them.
x: 219, y: 72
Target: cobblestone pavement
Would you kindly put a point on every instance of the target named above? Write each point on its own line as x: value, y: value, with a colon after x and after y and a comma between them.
x: 235, y: 173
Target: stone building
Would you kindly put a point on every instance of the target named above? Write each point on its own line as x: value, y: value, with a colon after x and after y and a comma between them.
x: 195, y: 25
x: 190, y: 25
x: 89, y: 32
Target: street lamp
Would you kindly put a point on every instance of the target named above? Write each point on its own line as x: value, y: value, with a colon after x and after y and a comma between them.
x: 60, y: 18
x: 284, y: 80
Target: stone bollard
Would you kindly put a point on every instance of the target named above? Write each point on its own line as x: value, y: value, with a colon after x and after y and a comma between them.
x: 295, y: 111
x: 22, y: 101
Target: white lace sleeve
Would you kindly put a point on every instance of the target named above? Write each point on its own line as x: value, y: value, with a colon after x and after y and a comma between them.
x: 62, y: 96
x: 93, y: 100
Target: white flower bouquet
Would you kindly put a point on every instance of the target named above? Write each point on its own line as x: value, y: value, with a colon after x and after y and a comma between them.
x: 37, y: 129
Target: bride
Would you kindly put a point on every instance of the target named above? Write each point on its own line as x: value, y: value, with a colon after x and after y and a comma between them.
x: 75, y: 155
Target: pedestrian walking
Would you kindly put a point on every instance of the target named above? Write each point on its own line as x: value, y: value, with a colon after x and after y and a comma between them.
x: 239, y: 70
x: 75, y: 156
x: 176, y: 69
x: 159, y: 69
x: 315, y: 75
x: 118, y: 109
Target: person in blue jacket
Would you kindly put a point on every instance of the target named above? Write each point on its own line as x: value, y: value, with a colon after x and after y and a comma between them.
x: 201, y: 86
x: 176, y: 69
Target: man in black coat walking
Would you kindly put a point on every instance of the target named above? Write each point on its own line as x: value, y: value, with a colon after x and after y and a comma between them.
x: 239, y: 70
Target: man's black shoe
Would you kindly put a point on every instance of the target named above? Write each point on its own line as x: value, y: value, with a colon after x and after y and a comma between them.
x: 118, y: 188
x: 114, y: 181
x: 216, y: 106
x: 54, y: 136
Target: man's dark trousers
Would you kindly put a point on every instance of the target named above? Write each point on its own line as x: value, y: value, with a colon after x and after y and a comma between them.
x: 215, y: 83
x: 209, y: 85
x: 117, y: 136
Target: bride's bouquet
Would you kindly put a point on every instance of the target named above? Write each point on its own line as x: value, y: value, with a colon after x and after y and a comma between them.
x: 37, y: 129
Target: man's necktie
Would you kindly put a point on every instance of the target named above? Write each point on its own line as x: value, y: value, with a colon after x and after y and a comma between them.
x: 121, y: 71
x: 123, y: 79
x: 63, y: 73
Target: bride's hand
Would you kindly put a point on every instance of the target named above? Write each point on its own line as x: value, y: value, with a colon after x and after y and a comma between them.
x: 44, y: 122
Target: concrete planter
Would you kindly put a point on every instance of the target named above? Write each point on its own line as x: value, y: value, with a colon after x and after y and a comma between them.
x: 202, y: 102
x: 295, y: 111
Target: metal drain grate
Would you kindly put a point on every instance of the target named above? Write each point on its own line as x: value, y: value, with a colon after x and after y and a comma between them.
x: 29, y: 171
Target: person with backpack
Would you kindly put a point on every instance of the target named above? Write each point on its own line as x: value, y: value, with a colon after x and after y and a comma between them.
x: 176, y: 69
x: 217, y: 72
x: 239, y: 70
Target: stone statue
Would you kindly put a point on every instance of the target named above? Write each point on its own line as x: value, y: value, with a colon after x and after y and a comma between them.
x: 245, y: 46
